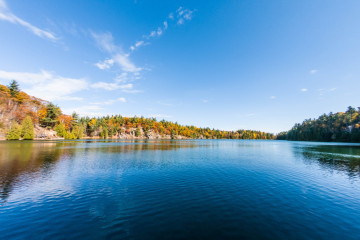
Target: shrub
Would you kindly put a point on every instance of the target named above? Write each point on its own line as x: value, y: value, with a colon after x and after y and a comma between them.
x: 60, y: 130
x: 137, y: 132
x: 14, y: 133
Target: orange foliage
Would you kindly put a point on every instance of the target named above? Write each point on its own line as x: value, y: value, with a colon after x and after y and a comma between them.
x: 66, y: 120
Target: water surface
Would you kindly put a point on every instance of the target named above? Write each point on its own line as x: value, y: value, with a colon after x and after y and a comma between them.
x: 189, y: 189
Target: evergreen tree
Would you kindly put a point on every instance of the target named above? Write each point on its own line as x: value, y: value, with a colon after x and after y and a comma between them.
x: 14, y: 133
x: 27, y: 129
x: 14, y: 88
x: 75, y: 118
x: 52, y: 114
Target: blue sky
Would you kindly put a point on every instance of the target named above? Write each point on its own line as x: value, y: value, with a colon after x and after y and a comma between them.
x: 261, y: 65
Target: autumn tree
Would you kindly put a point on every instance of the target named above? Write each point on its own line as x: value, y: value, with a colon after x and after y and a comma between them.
x: 27, y: 129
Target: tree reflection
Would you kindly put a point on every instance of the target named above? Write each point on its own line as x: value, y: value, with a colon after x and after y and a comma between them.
x: 22, y: 161
x: 26, y: 159
x: 344, y: 158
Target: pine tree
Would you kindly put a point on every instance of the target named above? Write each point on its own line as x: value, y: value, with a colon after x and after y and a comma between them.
x: 14, y: 133
x: 14, y: 88
x: 27, y: 129
x: 52, y: 114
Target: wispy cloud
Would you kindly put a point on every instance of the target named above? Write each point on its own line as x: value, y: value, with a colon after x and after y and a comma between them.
x: 304, y: 90
x: 7, y: 15
x: 118, y: 58
x: 181, y: 15
x: 112, y: 86
x: 106, y: 42
x: 106, y: 64
x: 47, y: 85
x: 313, y: 71
x: 272, y: 97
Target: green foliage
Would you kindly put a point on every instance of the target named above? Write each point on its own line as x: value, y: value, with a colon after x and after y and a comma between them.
x: 138, y: 132
x: 14, y: 88
x: 27, y: 129
x: 77, y: 131
x: 60, y: 130
x: 52, y: 114
x: 104, y: 133
x: 336, y: 127
x: 69, y: 135
x: 14, y: 133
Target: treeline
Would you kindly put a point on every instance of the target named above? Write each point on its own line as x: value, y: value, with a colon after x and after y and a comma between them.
x: 73, y: 127
x: 336, y: 127
x: 49, y: 116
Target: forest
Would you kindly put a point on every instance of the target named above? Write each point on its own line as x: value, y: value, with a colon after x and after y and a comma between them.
x: 332, y: 127
x: 22, y: 116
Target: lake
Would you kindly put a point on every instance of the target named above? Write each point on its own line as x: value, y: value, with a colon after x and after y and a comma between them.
x: 180, y: 189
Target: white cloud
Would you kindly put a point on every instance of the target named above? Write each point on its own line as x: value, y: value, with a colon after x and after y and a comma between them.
x: 47, y: 85
x: 122, y: 60
x: 332, y: 89
x: 106, y: 42
x: 183, y: 15
x: 272, y: 97
x: 304, y: 90
x: 125, y: 64
x: 112, y: 86
x: 205, y: 100
x: 313, y: 71
x: 121, y: 99
x: 106, y: 64
x: 7, y: 15
x: 136, y: 45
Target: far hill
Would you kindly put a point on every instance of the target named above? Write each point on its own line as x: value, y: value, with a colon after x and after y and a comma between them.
x: 332, y: 127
